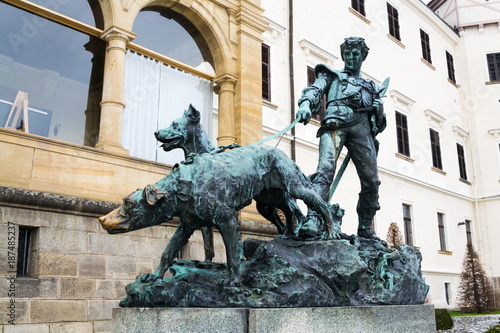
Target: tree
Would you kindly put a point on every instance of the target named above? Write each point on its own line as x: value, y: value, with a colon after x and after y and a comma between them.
x: 394, y: 236
x: 475, y: 292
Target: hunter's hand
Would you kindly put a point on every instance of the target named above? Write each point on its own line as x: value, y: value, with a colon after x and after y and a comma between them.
x: 304, y: 112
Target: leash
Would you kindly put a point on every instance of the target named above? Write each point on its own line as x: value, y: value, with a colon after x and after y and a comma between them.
x: 280, y: 133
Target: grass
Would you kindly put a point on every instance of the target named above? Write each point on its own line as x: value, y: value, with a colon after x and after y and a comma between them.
x: 459, y: 313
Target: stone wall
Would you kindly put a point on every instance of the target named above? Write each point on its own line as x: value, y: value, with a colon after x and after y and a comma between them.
x: 77, y: 272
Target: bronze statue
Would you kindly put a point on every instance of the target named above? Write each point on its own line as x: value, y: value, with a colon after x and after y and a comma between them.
x: 354, y: 116
x: 208, y: 190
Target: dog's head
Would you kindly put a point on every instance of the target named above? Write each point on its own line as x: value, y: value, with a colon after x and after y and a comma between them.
x: 177, y: 134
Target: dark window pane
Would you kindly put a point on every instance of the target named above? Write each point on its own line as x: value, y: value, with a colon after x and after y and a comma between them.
x: 402, y: 134
x: 266, y: 72
x: 311, y: 77
x: 436, y: 150
x: 359, y: 6
x: 426, y: 47
x: 461, y: 161
x: 23, y: 250
x: 493, y: 66
x: 451, y: 67
x: 442, y: 236
x: 468, y: 231
x: 407, y: 224
x: 393, y: 17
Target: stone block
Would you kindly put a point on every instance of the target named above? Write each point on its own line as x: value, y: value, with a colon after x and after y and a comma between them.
x: 71, y: 327
x: 386, y: 319
x: 120, y: 288
x: 383, y: 319
x: 17, y: 311
x: 75, y: 222
x: 143, y: 266
x: 8, y: 263
x: 59, y: 240
x: 103, y: 244
x: 179, y: 320
x: 101, y: 310
x: 29, y: 287
x: 77, y: 288
x: 27, y: 328
x: 53, y: 311
x: 54, y: 263
x: 28, y: 217
x: 121, y: 268
x: 105, y: 289
x: 102, y: 326
x: 90, y: 265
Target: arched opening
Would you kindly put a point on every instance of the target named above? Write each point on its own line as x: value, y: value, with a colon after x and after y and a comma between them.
x: 156, y: 91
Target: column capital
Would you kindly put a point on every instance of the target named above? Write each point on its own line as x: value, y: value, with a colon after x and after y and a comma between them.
x: 114, y: 32
x: 226, y: 78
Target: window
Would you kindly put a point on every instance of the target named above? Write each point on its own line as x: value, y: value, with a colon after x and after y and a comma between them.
x: 407, y: 224
x: 493, y: 60
x: 426, y: 46
x: 266, y: 72
x: 468, y: 231
x: 461, y: 162
x: 62, y: 89
x: 402, y: 134
x: 311, y: 77
x: 157, y: 93
x: 436, y: 150
x: 447, y: 292
x: 442, y: 235
x: 451, y: 67
x: 393, y: 16
x: 23, y: 250
x: 359, y: 6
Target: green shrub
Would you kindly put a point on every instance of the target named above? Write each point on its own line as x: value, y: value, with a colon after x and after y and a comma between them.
x: 443, y: 320
x: 493, y: 329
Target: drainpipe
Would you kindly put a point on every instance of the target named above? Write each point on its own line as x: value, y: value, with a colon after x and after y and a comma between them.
x: 291, y: 70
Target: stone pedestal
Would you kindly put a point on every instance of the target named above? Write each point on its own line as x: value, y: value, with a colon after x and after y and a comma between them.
x: 374, y: 319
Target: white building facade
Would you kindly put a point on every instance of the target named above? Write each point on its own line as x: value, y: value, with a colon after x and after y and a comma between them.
x: 439, y: 159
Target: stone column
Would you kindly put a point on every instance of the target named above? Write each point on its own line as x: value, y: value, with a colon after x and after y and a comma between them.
x: 226, y: 88
x: 112, y: 104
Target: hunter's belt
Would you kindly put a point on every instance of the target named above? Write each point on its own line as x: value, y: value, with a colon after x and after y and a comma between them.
x: 335, y: 125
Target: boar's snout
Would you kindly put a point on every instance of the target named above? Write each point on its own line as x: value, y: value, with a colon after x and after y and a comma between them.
x: 114, y: 223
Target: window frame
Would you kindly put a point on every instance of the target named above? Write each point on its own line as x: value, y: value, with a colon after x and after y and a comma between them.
x: 359, y: 6
x: 266, y: 72
x: 426, y: 46
x: 468, y: 231
x: 447, y: 292
x: 443, y: 245
x: 493, y: 66
x: 24, y: 249
x: 437, y: 161
x: 311, y: 78
x: 451, y: 67
x: 402, y: 134
x: 393, y: 20
x: 462, y: 166
x: 408, y: 224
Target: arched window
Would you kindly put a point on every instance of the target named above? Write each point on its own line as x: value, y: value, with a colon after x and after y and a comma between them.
x: 50, y: 74
x: 157, y: 90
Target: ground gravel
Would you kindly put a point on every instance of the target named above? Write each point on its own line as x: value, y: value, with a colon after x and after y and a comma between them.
x: 473, y: 324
